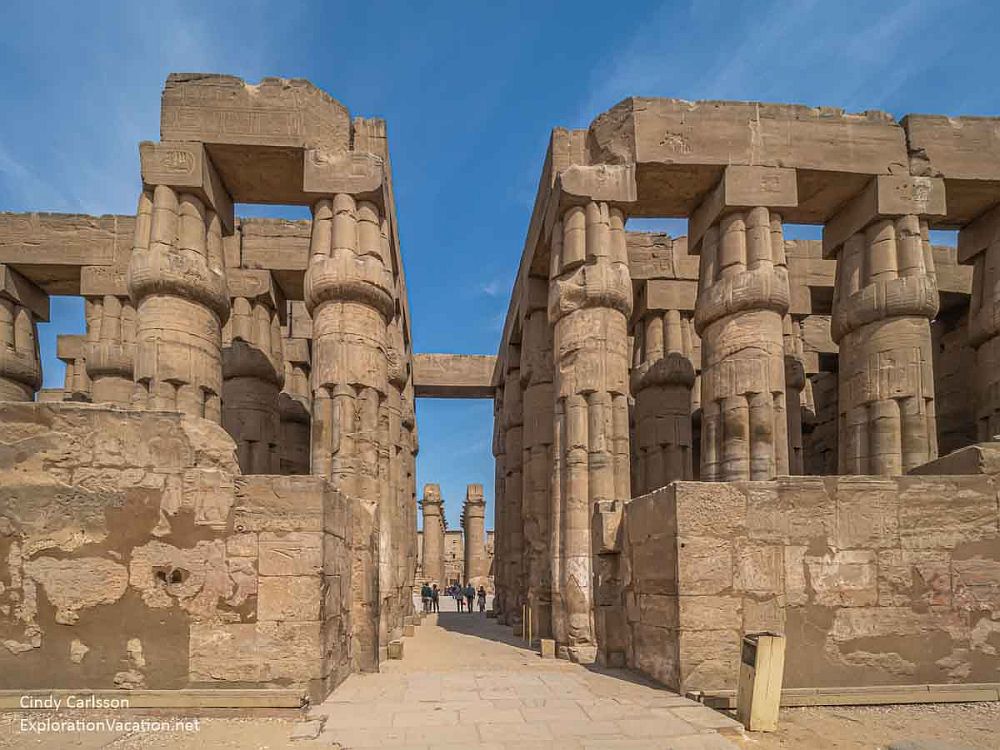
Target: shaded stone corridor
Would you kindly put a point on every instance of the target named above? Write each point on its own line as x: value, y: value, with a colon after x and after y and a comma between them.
x: 465, y: 682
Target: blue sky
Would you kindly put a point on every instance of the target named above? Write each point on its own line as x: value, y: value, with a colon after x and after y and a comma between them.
x: 470, y: 91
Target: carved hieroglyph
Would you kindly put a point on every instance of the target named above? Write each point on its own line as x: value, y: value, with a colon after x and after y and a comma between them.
x: 538, y: 402
x: 661, y: 385
x: 884, y: 299
x: 742, y: 296
x: 177, y: 282
x: 590, y: 301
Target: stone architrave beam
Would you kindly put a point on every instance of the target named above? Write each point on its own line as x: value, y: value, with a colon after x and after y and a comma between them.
x: 453, y: 375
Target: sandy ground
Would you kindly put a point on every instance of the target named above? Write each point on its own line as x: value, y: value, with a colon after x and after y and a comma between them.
x: 975, y: 726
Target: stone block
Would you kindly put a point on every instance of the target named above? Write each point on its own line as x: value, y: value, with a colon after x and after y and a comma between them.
x: 547, y: 648
x: 843, y: 579
x: 708, y: 612
x: 705, y: 565
x: 707, y: 509
x: 187, y: 167
x: 395, y: 649
x: 759, y: 568
x: 219, y: 652
x: 289, y: 598
x: 279, y: 503
x: 409, y: 631
x: 867, y: 512
x: 290, y: 651
x: 296, y: 553
x: 945, y: 512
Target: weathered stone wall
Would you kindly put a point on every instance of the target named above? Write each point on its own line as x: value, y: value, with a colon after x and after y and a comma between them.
x: 133, y: 555
x: 873, y: 580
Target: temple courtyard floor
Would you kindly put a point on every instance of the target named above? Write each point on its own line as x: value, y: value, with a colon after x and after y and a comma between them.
x: 466, y: 682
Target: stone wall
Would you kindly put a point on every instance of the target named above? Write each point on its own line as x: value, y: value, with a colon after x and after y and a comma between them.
x: 875, y: 581
x: 133, y: 555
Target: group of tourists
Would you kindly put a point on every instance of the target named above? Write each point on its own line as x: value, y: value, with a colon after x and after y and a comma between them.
x: 465, y: 597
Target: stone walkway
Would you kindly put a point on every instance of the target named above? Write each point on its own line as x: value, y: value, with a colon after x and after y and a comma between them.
x: 465, y: 682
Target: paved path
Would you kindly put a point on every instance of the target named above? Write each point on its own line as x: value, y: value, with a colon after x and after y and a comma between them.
x: 465, y: 682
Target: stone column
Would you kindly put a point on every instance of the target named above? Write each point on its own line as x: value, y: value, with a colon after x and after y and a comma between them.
x: 499, y: 510
x: 349, y: 294
x: 742, y: 297
x: 109, y: 348
x: 538, y: 402
x: 253, y: 369
x: 590, y: 301
x: 885, y: 296
x: 177, y: 282
x: 979, y: 245
x: 474, y: 534
x: 513, y: 433
x: 661, y: 384
x: 795, y: 383
x: 433, y: 535
x: 295, y: 407
x: 69, y: 350
x: 22, y: 304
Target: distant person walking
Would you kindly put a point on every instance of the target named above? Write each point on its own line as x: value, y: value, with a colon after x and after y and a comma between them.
x: 459, y: 599
x: 435, y: 599
x: 425, y: 597
x: 470, y: 594
x: 482, y: 599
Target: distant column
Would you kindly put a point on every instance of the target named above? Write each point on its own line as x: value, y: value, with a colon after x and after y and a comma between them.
x: 22, y: 304
x: 661, y: 383
x: 70, y: 351
x: 884, y: 297
x: 979, y: 245
x: 742, y: 296
x: 474, y: 534
x: 253, y: 370
x: 433, y: 535
x: 109, y: 349
x: 795, y: 383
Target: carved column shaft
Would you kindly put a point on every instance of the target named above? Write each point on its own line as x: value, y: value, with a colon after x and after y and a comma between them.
x: 20, y: 364
x: 661, y: 385
x: 348, y: 290
x: 885, y: 296
x: 253, y: 371
x: 742, y: 296
x: 295, y: 407
x: 979, y: 244
x: 474, y: 534
x: 109, y: 349
x: 590, y: 300
x: 433, y: 535
x: 499, y: 510
x: 177, y: 282
x: 513, y: 421
x: 536, y: 379
x: 795, y: 384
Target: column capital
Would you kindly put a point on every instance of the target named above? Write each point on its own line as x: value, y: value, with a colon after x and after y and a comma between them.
x: 739, y: 189
x: 187, y: 167
x: 885, y: 196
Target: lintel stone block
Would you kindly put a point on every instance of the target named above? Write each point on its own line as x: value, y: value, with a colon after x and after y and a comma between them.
x: 187, y: 166
x: 602, y: 182
x: 668, y: 294
x: 69, y: 347
x: 743, y: 187
x: 20, y: 289
x: 297, y: 351
x: 885, y: 196
x: 99, y: 281
x: 974, y: 238
x: 326, y: 174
